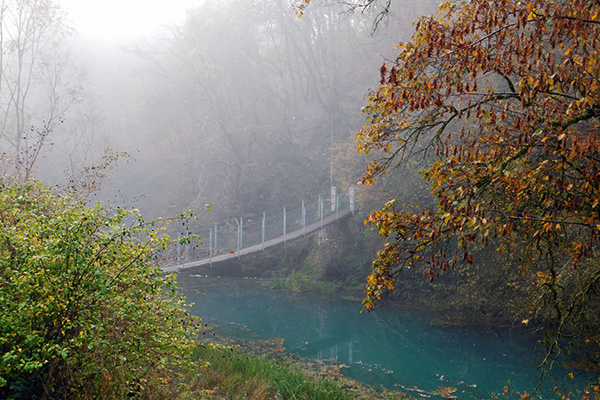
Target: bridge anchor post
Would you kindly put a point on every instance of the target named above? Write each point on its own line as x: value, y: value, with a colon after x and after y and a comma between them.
x: 303, y: 219
x: 264, y: 220
x: 210, y: 245
x: 284, y: 226
x: 321, y: 209
x: 333, y: 198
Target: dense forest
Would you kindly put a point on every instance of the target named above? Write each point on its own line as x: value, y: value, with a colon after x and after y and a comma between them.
x: 244, y: 103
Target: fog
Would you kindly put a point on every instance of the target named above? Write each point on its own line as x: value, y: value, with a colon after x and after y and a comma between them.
x: 168, y: 106
x: 119, y: 21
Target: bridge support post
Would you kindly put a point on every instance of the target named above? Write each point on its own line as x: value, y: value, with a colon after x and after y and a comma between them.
x: 351, y: 198
x: 284, y: 225
x: 240, y: 235
x: 321, y: 209
x: 264, y: 221
x: 303, y: 219
x: 333, y: 199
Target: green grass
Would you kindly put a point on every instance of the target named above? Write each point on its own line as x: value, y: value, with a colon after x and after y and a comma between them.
x: 289, y: 284
x: 229, y: 372
x: 295, y: 283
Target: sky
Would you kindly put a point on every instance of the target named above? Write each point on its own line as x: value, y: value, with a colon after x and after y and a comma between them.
x: 123, y: 19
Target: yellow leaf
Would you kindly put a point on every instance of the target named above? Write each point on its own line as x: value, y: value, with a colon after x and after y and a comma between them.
x: 447, y: 217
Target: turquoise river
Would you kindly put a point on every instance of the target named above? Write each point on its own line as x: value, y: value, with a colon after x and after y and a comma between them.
x: 398, y: 348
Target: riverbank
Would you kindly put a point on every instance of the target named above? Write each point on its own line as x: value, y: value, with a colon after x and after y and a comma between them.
x: 263, y: 369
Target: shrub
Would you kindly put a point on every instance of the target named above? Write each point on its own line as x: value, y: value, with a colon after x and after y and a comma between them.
x: 84, y: 311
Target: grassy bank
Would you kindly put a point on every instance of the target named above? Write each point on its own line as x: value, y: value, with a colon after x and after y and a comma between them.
x: 235, y: 372
x: 230, y: 372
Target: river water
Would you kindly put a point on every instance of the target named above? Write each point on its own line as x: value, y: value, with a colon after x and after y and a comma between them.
x: 395, y: 348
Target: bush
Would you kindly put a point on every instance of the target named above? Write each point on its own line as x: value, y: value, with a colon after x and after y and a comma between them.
x: 84, y: 312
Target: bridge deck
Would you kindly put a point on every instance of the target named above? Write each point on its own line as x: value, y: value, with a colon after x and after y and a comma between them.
x: 333, y: 217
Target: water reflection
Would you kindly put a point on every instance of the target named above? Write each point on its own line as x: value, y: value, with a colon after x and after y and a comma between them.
x: 393, y: 348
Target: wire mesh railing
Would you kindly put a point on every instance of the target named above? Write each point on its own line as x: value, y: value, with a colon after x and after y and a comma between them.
x: 232, y: 235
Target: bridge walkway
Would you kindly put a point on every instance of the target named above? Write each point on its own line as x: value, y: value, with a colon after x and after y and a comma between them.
x: 329, y: 219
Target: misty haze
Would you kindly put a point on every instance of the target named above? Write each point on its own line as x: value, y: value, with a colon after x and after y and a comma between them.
x: 312, y: 199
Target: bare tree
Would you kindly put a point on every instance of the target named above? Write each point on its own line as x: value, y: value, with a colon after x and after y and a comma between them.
x: 34, y: 92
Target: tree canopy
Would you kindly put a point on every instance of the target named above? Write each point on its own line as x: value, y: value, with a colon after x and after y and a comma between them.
x: 501, y: 101
x: 240, y: 134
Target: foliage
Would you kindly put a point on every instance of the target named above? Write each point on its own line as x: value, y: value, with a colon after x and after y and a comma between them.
x: 504, y: 96
x: 84, y: 312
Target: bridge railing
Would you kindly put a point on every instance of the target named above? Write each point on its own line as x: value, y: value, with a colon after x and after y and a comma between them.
x: 232, y: 235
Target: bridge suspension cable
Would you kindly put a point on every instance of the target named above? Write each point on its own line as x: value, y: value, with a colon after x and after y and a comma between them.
x: 244, y: 235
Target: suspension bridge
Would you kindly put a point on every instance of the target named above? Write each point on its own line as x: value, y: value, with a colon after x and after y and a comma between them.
x: 238, y: 237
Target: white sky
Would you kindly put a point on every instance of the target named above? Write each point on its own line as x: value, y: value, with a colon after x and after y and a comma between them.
x: 114, y: 19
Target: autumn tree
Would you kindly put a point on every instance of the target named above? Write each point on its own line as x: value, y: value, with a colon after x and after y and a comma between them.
x: 502, y: 101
